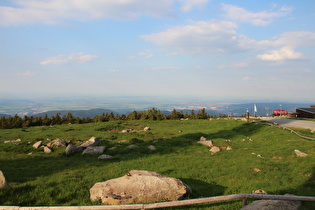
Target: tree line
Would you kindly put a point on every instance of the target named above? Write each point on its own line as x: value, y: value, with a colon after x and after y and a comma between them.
x: 151, y: 114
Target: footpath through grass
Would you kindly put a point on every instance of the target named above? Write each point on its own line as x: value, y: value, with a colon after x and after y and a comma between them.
x: 262, y: 158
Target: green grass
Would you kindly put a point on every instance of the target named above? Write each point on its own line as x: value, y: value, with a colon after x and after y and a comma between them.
x: 56, y: 179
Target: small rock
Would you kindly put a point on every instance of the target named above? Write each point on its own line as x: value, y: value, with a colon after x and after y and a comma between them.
x: 229, y: 148
x: 206, y: 143
x: 147, y: 129
x: 103, y: 157
x: 57, y: 143
x: 300, y: 154
x: 13, y: 141
x: 203, y: 138
x: 259, y: 192
x: 152, y: 147
x: 3, y: 183
x: 93, y: 141
x: 214, y: 150
x: 93, y: 150
x: 256, y: 169
x: 133, y: 146
x: 127, y: 131
x: 37, y: 144
x: 47, y: 149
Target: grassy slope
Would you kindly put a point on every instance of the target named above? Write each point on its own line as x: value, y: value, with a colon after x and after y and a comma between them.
x: 55, y: 179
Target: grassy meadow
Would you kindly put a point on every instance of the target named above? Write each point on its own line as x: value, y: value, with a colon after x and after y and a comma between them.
x: 54, y: 179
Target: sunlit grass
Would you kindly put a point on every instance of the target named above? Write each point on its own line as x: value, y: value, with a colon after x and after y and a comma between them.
x: 52, y: 179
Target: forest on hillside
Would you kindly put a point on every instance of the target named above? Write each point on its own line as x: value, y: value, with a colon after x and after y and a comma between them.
x: 58, y: 119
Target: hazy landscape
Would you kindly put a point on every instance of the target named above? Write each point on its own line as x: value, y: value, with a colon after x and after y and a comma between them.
x: 79, y: 106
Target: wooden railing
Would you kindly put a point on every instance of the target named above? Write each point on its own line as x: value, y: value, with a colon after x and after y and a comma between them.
x: 244, y: 198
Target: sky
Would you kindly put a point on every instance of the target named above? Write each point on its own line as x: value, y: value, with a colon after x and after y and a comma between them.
x: 209, y: 48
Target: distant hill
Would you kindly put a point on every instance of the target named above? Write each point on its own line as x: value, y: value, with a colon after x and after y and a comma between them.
x: 5, y: 115
x: 75, y: 113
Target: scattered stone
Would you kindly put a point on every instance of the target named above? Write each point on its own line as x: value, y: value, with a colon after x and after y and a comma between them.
x: 93, y: 141
x: 300, y: 154
x: 133, y: 146
x: 48, y: 149
x: 139, y: 187
x: 94, y: 150
x: 229, y: 148
x: 113, y: 148
x: 243, y: 140
x: 57, y: 143
x: 72, y: 149
x: 3, y: 183
x: 205, y: 142
x: 152, y: 147
x: 256, y: 169
x: 147, y: 129
x: 228, y: 140
x: 273, y: 205
x: 122, y: 141
x: 259, y: 156
x: 180, y: 131
x: 259, y: 192
x: 29, y: 153
x: 37, y: 144
x: 203, y: 138
x: 127, y: 131
x: 104, y: 157
x: 214, y: 150
x: 13, y: 141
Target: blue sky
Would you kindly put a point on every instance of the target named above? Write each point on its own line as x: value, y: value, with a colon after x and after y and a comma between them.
x: 212, y: 48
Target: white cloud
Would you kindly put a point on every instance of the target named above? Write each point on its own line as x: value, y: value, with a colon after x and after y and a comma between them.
x: 202, y: 37
x: 113, y: 70
x: 259, y: 18
x: 188, y: 5
x: 27, y: 74
x: 235, y: 65
x: 61, y: 59
x: 247, y: 78
x: 57, y: 11
x: 164, y: 68
x: 296, y: 39
x: 146, y: 54
x: 285, y: 53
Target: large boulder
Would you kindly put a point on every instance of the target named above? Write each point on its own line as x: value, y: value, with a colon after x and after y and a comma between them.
x: 3, y: 183
x: 273, y: 205
x: 93, y: 141
x: 71, y: 149
x: 139, y: 187
x: 94, y: 150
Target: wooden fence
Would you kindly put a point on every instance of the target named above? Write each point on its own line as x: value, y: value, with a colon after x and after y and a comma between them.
x: 244, y: 198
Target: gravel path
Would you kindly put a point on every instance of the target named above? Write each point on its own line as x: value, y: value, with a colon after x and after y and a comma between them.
x: 290, y: 123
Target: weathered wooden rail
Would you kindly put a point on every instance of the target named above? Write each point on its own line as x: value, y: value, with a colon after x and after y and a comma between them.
x: 243, y: 197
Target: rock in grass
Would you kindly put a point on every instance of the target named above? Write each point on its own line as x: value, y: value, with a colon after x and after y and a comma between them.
x: 94, y: 150
x: 152, y: 147
x: 93, y: 141
x: 48, y: 149
x: 273, y: 205
x: 300, y: 154
x: 133, y: 146
x: 72, y: 149
x: 37, y: 144
x: 214, y: 150
x: 139, y: 187
x: 57, y: 143
x: 104, y: 157
x: 3, y: 183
